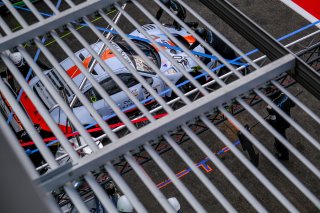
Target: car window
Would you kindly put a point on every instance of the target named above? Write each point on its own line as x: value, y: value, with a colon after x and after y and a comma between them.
x: 110, y: 86
x: 150, y: 52
x: 148, y: 49
x: 128, y: 79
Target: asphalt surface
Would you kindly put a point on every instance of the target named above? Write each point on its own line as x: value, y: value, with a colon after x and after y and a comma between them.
x: 278, y: 20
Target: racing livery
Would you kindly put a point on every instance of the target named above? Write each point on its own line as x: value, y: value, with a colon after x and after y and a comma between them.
x: 119, y: 97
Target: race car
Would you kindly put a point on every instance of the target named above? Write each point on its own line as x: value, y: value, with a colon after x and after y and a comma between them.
x: 120, y: 98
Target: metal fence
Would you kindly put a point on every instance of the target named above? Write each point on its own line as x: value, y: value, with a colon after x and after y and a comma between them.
x: 119, y: 142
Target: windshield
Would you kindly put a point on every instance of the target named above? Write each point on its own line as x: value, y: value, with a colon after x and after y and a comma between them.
x: 148, y: 50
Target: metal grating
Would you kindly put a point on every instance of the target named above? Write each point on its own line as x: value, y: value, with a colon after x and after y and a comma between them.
x: 88, y: 146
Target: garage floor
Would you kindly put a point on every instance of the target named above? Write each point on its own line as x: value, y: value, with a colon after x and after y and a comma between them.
x: 278, y: 20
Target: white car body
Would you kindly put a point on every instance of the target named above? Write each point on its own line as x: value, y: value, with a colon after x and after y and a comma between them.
x: 120, y: 98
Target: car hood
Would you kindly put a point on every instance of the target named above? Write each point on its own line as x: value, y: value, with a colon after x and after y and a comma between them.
x: 176, y: 53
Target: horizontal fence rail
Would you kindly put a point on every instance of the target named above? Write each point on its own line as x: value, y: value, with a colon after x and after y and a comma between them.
x: 89, y: 94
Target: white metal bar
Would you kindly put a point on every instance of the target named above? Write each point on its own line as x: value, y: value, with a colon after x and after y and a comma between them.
x: 40, y: 107
x: 214, y: 191
x: 77, y: 92
x: 196, y: 89
x: 223, y: 38
x: 290, y: 147
x: 176, y: 65
x: 64, y: 106
x: 70, y: 3
x: 17, y: 15
x: 152, y: 65
x: 180, y: 45
x: 297, y: 102
x: 53, y: 22
x: 52, y: 6
x: 224, y: 170
x: 223, y: 76
x: 90, y: 78
x: 93, y: 64
x: 29, y: 127
x: 303, y: 38
x: 80, y: 167
x: 285, y: 202
x: 121, y: 183
x: 106, y: 68
x: 5, y: 27
x: 34, y: 10
x: 27, y: 164
x: 170, y: 174
x: 75, y: 198
x: 294, y: 124
x: 52, y: 203
x: 187, y: 51
x: 149, y: 183
x: 272, y: 159
x: 187, y: 113
x: 130, y: 68
x: 100, y: 193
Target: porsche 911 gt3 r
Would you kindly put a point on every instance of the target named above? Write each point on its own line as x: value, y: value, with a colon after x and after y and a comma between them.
x: 119, y: 97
